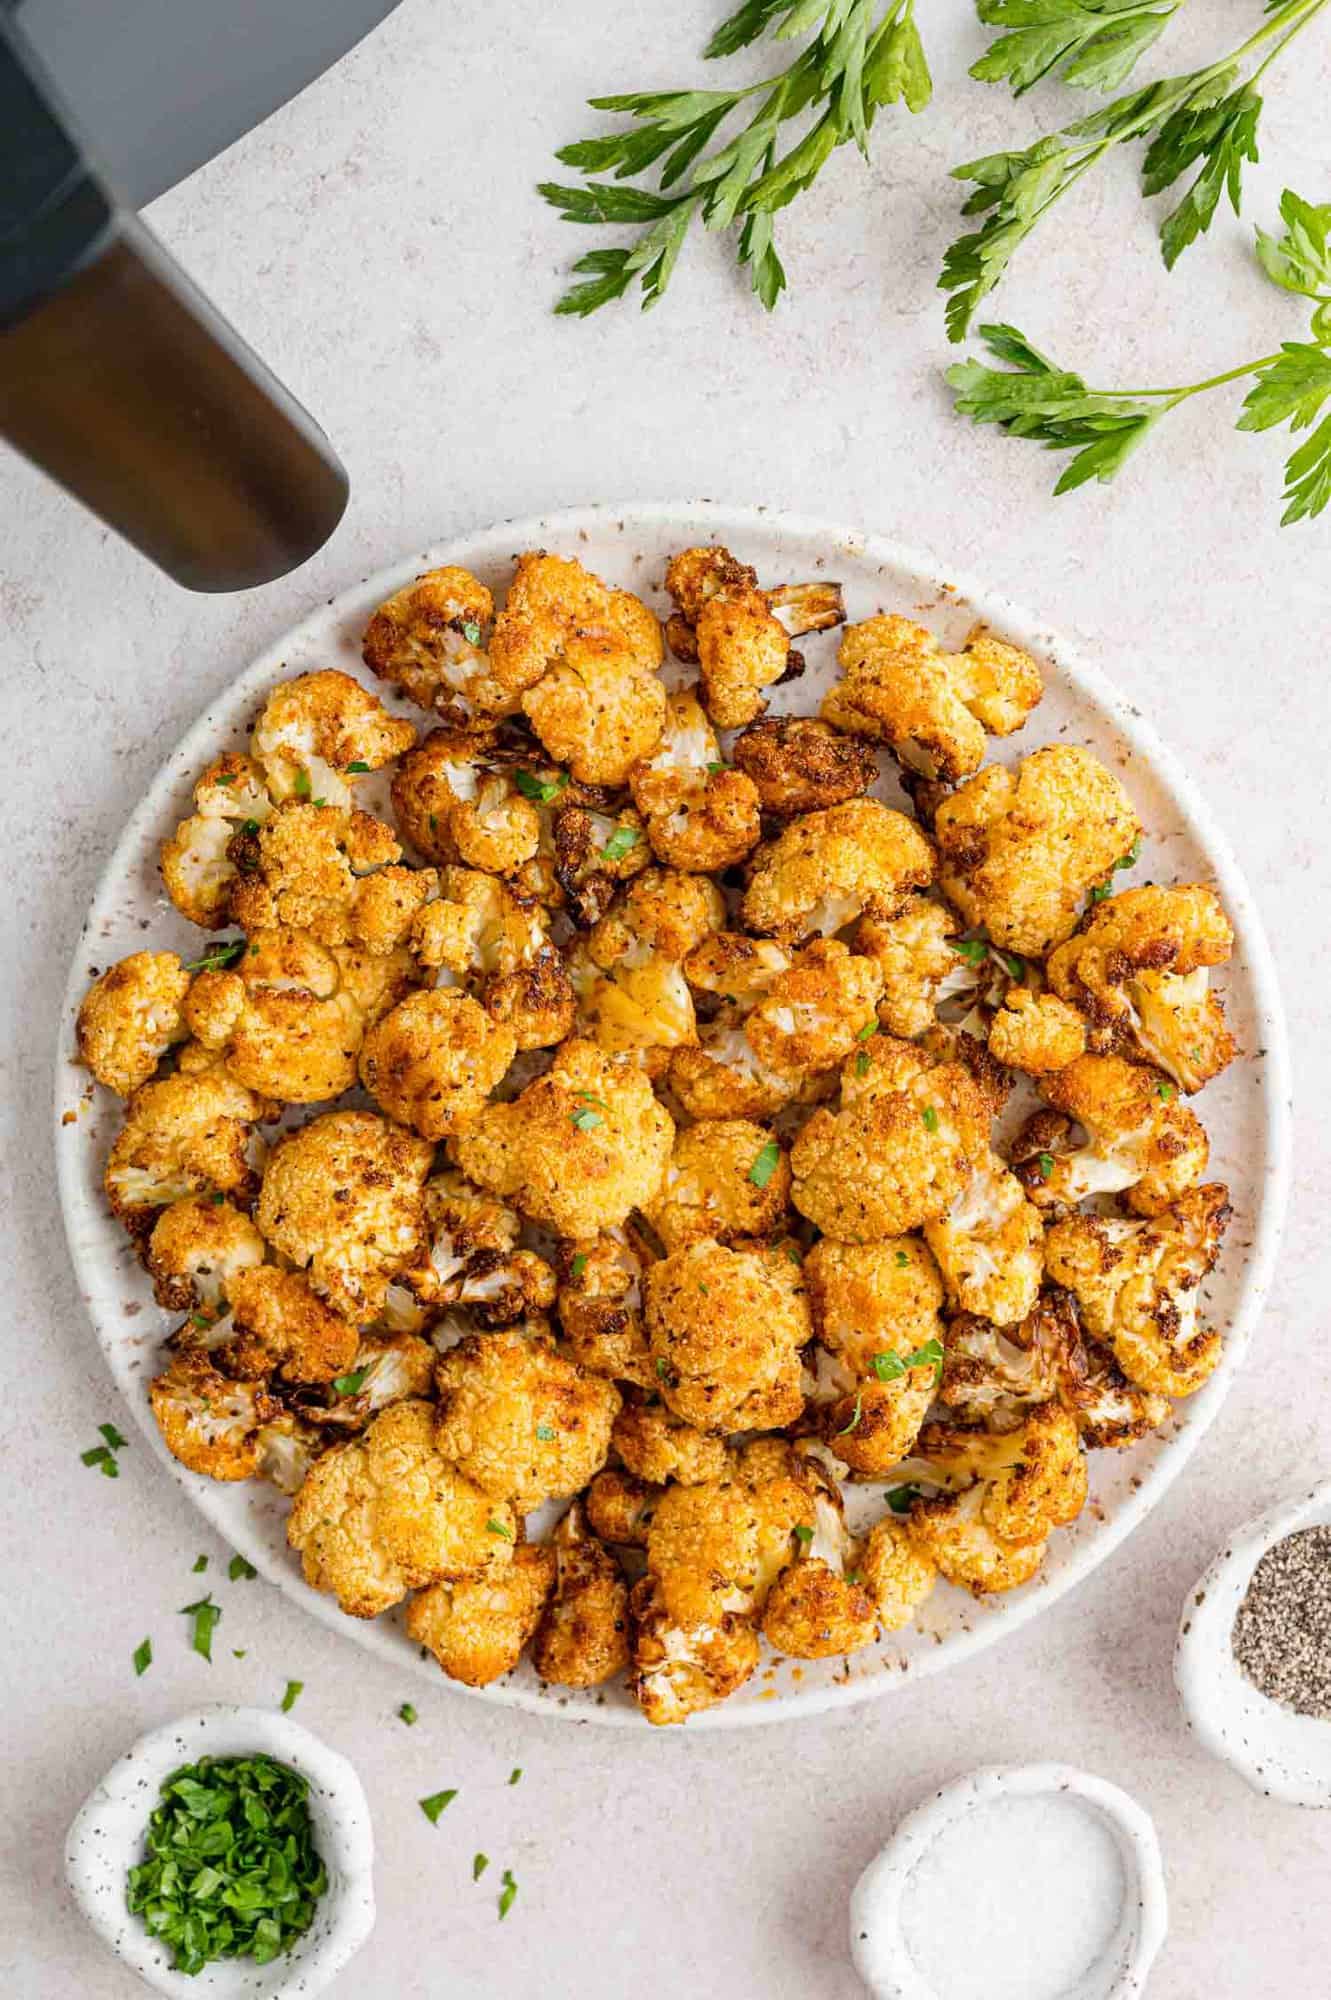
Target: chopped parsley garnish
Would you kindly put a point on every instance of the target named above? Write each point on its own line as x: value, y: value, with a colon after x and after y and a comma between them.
x: 869, y: 1028
x: 303, y: 786
x: 515, y: 1774
x: 930, y: 1117
x: 1045, y: 1162
x: 207, y: 1616
x: 1101, y: 892
x: 225, y: 778
x: 506, y: 1894
x: 200, y: 1564
x: 407, y: 1714
x: 435, y: 1804
x: 1164, y: 1091
x: 620, y: 843
x: 862, y: 1062
x: 902, y: 1498
x: 546, y: 1434
x: 232, y: 1870
x: 578, y: 1266
x: 112, y: 1436
x: 715, y: 766
x: 902, y: 1259
x: 542, y: 790
x: 351, y: 1385
x: 479, y: 1864
x: 792, y: 1250
x: 586, y: 1119
x: 220, y: 958
x: 292, y: 1696
x: 890, y: 1367
x: 471, y: 632
x: 143, y: 1657
x: 103, y: 1458
x: 238, y: 1569
x: 1133, y: 855
x: 765, y: 1164
x: 973, y: 950
x: 249, y: 826
x: 802, y: 1533
x: 357, y: 768
x: 493, y: 1527
x: 661, y: 1368
x: 1014, y: 967
x: 855, y: 1415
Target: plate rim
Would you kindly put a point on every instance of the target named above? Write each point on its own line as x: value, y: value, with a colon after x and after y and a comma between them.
x: 716, y: 520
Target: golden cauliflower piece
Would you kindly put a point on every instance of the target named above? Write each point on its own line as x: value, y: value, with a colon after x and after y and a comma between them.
x: 800, y: 766
x: 471, y: 1256
x: 815, y: 1613
x: 740, y: 635
x: 990, y: 1245
x: 930, y: 707
x: 1036, y: 1032
x: 428, y: 640
x: 197, y: 868
x: 553, y: 603
x: 620, y: 1507
x: 389, y: 1367
x: 583, y: 1636
x: 1005, y: 1494
x: 896, y: 1575
x: 728, y: 1178
x: 212, y: 1425
x: 1138, y: 971
x: 433, y: 1061
x: 699, y: 814
x: 386, y: 1513
x: 456, y: 801
x: 900, y: 1150
x: 281, y: 1324
x: 330, y: 871
x: 915, y: 953
x: 633, y: 996
x: 317, y: 734
x: 600, y: 710
x: 677, y: 1668
x: 184, y: 1134
x: 725, y: 1328
x: 198, y: 1246
x: 719, y: 1546
x: 130, y: 1017
x: 600, y: 1307
x: 342, y: 1199
x: 1142, y: 1141
x: 595, y: 847
x: 481, y: 929
x: 1018, y: 852
x: 876, y: 1315
x: 826, y: 869
x: 656, y: 1446
x: 582, y: 1146
x: 521, y: 1420
x: 1138, y: 1286
x: 477, y: 1626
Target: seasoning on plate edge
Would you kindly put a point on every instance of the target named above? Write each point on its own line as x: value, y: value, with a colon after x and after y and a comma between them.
x: 1282, y: 1630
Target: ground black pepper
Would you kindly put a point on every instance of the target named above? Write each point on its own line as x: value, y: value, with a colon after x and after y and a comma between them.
x: 1282, y: 1633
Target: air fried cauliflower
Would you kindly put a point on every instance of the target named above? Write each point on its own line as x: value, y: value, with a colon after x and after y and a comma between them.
x: 130, y: 1017
x: 583, y: 1635
x: 725, y: 1327
x: 930, y: 707
x: 990, y: 1245
x: 196, y: 861
x: 1141, y: 1140
x: 472, y: 1257
x: 433, y: 1061
x: 797, y: 765
x: 428, y: 640
x: 319, y: 733
x: 520, y: 1419
x: 198, y: 1247
x: 728, y: 1178
x: 1036, y: 1032
x: 700, y: 815
x: 1004, y: 1495
x: 456, y: 800
x: 600, y: 710
x: 212, y: 1425
x: 829, y: 867
x: 185, y: 1134
x: 477, y: 1626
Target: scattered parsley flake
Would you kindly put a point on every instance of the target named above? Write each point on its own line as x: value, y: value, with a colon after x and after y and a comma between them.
x: 1015, y: 967
x: 902, y: 1498
x: 112, y: 1436
x: 869, y: 1028
x: 1164, y: 1091
x: 303, y: 786
x: 493, y: 1527
x: 225, y: 778
x: 436, y: 1803
x: 545, y: 1433
x: 578, y: 1266
x: 1045, y: 1162
x: 585, y: 1119
x: 292, y: 1696
x: 479, y: 1864
x: 902, y: 1259
x: 765, y: 1164
x: 862, y: 1062
x: 407, y: 1714
x: 207, y: 1616
x: 661, y: 1368
x: 220, y: 959
x: 239, y: 1570
x: 515, y: 1774
x: 143, y: 1657
x: 930, y: 1117
x: 973, y: 950
x: 103, y: 1458
x: 506, y: 1895
x: 357, y: 768
x: 351, y: 1385
x: 621, y: 842
x: 890, y: 1367
x: 714, y: 767
x: 541, y: 790
x: 471, y: 632
x: 200, y: 1564
x: 802, y: 1533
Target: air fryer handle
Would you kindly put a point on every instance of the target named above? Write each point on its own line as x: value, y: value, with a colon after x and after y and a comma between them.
x: 120, y: 380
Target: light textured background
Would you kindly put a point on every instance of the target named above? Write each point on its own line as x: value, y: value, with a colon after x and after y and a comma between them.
x: 379, y: 242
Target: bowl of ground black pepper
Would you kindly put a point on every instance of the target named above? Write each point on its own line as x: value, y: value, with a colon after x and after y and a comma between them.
x: 1253, y: 1659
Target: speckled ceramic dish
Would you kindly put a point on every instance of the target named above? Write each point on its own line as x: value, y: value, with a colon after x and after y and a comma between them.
x: 1245, y: 1110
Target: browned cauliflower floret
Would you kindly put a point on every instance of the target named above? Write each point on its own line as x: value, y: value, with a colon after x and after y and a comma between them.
x: 198, y: 1246
x: 600, y: 1307
x: 932, y: 708
x: 184, y: 1134
x: 699, y: 814
x: 386, y: 1513
x: 596, y: 846
x: 477, y: 1626
x: 456, y: 801
x: 1138, y: 971
x: 740, y: 635
x: 989, y: 1245
x: 823, y: 871
x: 727, y: 1178
x: 386, y: 1368
x: 553, y: 603
x: 471, y: 1256
x: 620, y: 1507
x: 281, y: 1324
x: 814, y: 1613
x: 197, y: 868
x: 522, y: 1420
x: 876, y: 1314
x: 130, y: 1017
x: 811, y: 1016
x: 900, y: 1150
x: 210, y: 1424
x: 679, y: 1669
x: 798, y: 765
x: 482, y: 929
x: 633, y: 996
x: 657, y: 1447
x: 429, y: 638
x: 1138, y: 1286
x: 433, y: 1061
x: 1004, y: 1494
x: 583, y: 1636
x: 1036, y: 1032
x: 1142, y: 1141
x: 725, y: 1327
x: 582, y: 1146
x: 342, y: 1198
x: 318, y: 733
x: 329, y: 871
x: 719, y: 1546
x: 1018, y: 852
x: 916, y: 956
x: 895, y: 1573
x: 600, y: 710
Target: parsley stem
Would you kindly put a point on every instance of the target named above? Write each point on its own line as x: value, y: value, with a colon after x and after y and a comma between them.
x: 1298, y: 22
x: 1179, y: 395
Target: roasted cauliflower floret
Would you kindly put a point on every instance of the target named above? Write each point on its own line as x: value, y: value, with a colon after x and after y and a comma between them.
x: 433, y: 1061
x: 553, y: 604
x: 286, y: 1021
x: 1138, y: 1286
x: 600, y: 710
x: 900, y: 1150
x: 386, y: 1513
x: 281, y: 1325
x: 184, y: 1134
x: 330, y: 871
x: 578, y: 1149
x: 1137, y: 970
x: 741, y: 648
x: 725, y: 1327
x: 428, y: 640
x: 210, y: 1424
x: 130, y: 1017
x: 990, y: 1244
x: 472, y: 1259
x: 823, y: 871
x: 1004, y: 1496
x: 483, y: 930
x: 387, y: 1368
x: 620, y: 1507
x: 1142, y: 1141
x: 522, y: 1420
x: 797, y: 765
x: 728, y: 1178
x: 679, y: 1669
x: 1018, y: 852
x: 477, y: 1626
x: 342, y: 1199
x: 197, y: 869
x: 873, y: 1300
x: 633, y: 996
x: 916, y: 955
x: 600, y: 1308
x: 930, y: 707
x: 656, y: 1446
x: 895, y: 1573
x: 719, y: 1546
x: 318, y: 733
x: 198, y: 1246
x: 699, y: 814
x: 1036, y: 1032
x: 596, y: 847
x: 815, y: 1613
x: 456, y: 802
x: 583, y: 1636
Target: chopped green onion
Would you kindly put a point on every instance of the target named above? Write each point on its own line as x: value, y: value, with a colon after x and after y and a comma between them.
x: 143, y: 1657
x: 765, y: 1164
x: 435, y: 1804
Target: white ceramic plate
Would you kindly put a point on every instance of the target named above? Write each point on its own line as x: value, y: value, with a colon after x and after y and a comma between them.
x: 1246, y: 1110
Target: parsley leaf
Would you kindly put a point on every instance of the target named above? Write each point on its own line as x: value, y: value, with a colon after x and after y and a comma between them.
x: 407, y: 1714
x: 207, y: 1617
x: 143, y: 1657
x: 112, y: 1436
x: 930, y: 1118
x: 586, y: 1119
x: 578, y: 1266
x: 479, y: 1864
x: 515, y: 1774
x: 239, y: 1570
x: 436, y: 1803
x: 220, y: 958
x: 973, y: 950
x: 621, y: 842
x: 292, y: 1695
x: 802, y: 1533
x: 902, y: 1498
x: 1097, y: 41
x: 541, y: 790
x: 765, y: 1163
x: 351, y: 1385
x: 494, y: 1527
x: 890, y: 1367
x: 506, y: 1894
x: 357, y: 768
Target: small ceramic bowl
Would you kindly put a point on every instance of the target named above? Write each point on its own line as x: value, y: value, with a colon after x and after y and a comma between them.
x: 1131, y: 1934
x: 106, y: 1839
x: 1280, y: 1753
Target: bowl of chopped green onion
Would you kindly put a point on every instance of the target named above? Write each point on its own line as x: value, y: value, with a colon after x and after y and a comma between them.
x: 228, y: 1853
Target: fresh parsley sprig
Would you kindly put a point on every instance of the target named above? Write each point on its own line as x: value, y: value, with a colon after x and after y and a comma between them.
x: 863, y: 55
x: 1097, y: 42
x: 1208, y: 115
x: 1034, y: 398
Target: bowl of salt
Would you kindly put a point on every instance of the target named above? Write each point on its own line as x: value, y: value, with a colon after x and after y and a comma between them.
x: 1253, y: 1659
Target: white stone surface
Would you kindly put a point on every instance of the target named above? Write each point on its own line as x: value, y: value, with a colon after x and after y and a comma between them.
x: 379, y: 242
